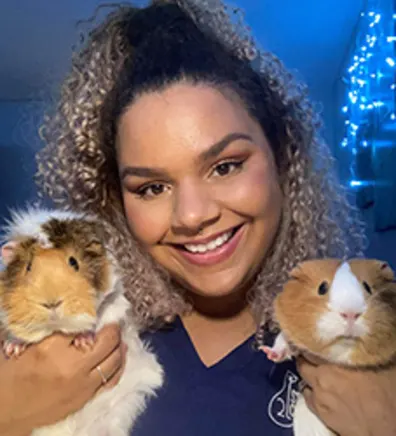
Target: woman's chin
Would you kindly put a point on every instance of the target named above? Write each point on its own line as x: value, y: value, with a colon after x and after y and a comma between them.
x: 215, y: 289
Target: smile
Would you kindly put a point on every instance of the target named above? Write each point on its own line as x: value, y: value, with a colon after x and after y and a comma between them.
x: 212, y: 245
x: 212, y: 251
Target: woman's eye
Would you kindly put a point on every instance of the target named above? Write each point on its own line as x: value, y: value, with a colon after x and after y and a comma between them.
x: 226, y: 168
x: 150, y: 191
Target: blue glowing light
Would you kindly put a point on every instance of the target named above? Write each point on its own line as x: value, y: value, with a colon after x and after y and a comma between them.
x: 371, y: 87
x: 360, y: 183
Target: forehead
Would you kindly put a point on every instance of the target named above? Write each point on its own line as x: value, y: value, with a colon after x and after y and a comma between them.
x: 182, y: 119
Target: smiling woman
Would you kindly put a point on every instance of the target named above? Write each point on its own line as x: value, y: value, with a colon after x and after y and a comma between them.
x: 209, y: 169
x: 203, y: 196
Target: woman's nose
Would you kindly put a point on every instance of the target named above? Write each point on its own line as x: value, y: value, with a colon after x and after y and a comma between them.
x: 195, y: 207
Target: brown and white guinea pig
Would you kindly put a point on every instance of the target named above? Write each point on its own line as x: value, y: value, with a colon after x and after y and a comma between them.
x: 55, y: 279
x: 59, y: 276
x: 341, y: 312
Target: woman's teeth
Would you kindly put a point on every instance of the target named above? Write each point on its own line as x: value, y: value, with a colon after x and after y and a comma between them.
x: 203, y: 248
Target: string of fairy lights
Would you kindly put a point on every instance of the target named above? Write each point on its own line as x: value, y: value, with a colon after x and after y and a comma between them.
x: 370, y: 84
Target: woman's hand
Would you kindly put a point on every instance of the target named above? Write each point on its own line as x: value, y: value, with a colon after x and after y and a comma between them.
x: 351, y: 403
x: 53, y: 379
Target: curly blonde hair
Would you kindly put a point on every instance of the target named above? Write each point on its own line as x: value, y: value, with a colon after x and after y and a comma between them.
x: 77, y: 167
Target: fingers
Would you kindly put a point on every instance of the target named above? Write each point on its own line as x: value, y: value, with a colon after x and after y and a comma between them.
x: 307, y: 371
x: 56, y: 349
x: 314, y: 360
x: 106, y: 373
x: 107, y: 341
x: 118, y: 373
x: 110, y: 384
x: 56, y: 341
x: 104, y: 370
x: 310, y: 400
x: 59, y: 344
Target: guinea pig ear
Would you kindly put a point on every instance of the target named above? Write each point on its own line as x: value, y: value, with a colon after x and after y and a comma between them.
x: 94, y: 248
x: 385, y: 271
x: 8, y: 252
x: 313, y: 269
x: 297, y: 273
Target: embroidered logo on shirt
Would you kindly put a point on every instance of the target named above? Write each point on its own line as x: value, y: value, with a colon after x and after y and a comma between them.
x: 281, y: 405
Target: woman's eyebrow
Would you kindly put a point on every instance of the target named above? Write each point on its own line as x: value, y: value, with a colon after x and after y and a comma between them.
x: 212, y: 152
x: 144, y: 172
x: 217, y: 148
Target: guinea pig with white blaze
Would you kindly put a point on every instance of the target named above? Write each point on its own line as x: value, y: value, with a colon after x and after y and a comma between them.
x: 60, y: 276
x: 343, y: 312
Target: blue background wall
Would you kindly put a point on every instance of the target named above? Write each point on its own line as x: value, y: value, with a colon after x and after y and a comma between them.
x: 312, y: 37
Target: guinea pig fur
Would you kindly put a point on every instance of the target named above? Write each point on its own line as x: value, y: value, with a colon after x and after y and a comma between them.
x: 343, y: 312
x: 60, y: 276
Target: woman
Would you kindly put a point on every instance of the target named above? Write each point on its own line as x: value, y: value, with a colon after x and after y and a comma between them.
x: 210, y: 152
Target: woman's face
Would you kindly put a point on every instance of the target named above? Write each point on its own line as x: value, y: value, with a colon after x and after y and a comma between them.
x: 199, y: 185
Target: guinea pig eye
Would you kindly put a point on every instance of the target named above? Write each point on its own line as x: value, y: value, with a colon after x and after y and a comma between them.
x: 323, y: 288
x: 367, y: 287
x: 29, y: 266
x: 73, y: 263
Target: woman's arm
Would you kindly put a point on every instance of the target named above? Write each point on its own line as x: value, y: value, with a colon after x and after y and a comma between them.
x: 351, y: 403
x: 53, y: 379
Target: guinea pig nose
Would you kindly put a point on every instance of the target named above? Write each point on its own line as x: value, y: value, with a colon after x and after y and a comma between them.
x: 350, y: 316
x: 52, y: 305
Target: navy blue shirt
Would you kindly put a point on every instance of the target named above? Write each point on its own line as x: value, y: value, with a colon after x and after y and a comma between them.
x: 244, y: 394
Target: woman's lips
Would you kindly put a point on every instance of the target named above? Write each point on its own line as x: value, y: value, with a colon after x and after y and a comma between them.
x: 212, y: 257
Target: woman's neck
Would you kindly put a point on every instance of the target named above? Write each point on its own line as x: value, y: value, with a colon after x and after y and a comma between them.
x: 217, y: 326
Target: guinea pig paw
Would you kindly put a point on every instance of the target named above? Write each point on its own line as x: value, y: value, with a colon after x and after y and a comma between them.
x: 272, y: 354
x: 13, y: 348
x: 84, y: 341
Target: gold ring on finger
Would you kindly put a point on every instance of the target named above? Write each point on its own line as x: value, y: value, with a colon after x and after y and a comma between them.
x: 104, y: 379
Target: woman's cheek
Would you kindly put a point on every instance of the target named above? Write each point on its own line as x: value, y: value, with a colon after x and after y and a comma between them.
x: 254, y: 193
x: 147, y: 219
